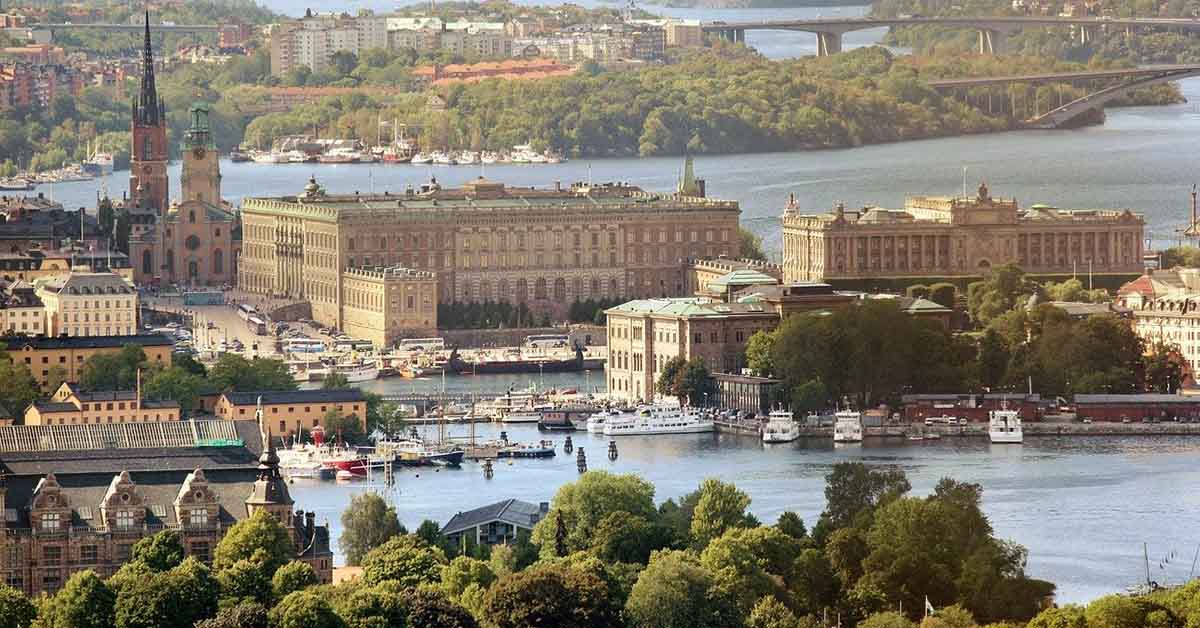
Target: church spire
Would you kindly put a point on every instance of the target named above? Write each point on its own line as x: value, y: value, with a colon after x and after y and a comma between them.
x: 149, y: 109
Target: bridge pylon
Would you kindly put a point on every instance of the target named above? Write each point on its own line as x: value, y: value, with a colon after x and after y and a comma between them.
x: 992, y: 41
x: 828, y: 43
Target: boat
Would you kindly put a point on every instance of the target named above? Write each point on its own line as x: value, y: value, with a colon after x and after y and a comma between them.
x: 658, y: 419
x: 781, y: 427
x: 359, y: 371
x: 544, y: 449
x: 565, y: 419
x: 847, y: 427
x: 340, y: 155
x: 444, y: 159
x: 99, y: 164
x: 239, y: 155
x: 268, y: 157
x: 531, y: 414
x: 596, y: 422
x: 515, y: 361
x: 298, y: 157
x: 467, y: 158
x: 16, y: 184
x: 411, y: 452
x: 420, y: 158
x: 489, y: 157
x: 1004, y: 426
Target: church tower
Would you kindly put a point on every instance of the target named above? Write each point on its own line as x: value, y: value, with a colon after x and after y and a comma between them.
x: 201, y: 164
x: 148, y: 152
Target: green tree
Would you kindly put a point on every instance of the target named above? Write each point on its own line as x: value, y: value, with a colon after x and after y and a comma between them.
x: 344, y: 62
x: 233, y: 372
x: 551, y: 595
x: 367, y: 522
x: 176, y: 384
x: 751, y: 563
x: 242, y: 615
x: 1069, y: 616
x: 55, y: 377
x: 813, y: 582
x: 405, y: 559
x: 586, y: 501
x: 889, y: 619
x: 852, y: 489
x: 1116, y: 611
x: 993, y: 359
x: 366, y: 607
x: 1003, y: 288
x: 335, y: 381
x: 771, y: 613
x: 260, y: 531
x: 689, y: 380
x: 944, y: 294
x: 624, y: 538
x: 721, y: 506
x: 750, y: 245
x: 161, y: 552
x: 16, y: 611
x: 953, y: 616
x: 173, y: 599
x: 304, y: 609
x: 84, y: 602
x: 917, y: 291
x: 246, y: 580
x: 294, y: 576
x: 429, y: 608
x: 18, y: 389
x: 113, y: 371
x: 758, y: 353
x: 675, y: 580
x: 346, y: 427
x: 464, y: 572
x: 792, y: 525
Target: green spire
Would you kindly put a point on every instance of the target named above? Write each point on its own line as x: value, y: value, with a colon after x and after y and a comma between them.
x: 199, y: 134
x: 687, y: 182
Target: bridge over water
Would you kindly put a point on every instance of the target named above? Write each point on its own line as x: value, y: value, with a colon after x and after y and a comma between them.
x: 128, y: 28
x: 993, y: 30
x: 1116, y: 83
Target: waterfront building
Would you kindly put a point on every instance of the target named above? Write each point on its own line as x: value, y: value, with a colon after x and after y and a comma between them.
x: 288, y: 412
x: 970, y: 406
x: 945, y: 237
x: 69, y: 405
x: 485, y: 241
x: 40, y: 353
x: 193, y: 240
x: 385, y: 304
x: 645, y: 334
x: 745, y: 392
x: 1164, y: 306
x: 501, y: 523
x: 88, y: 304
x: 1137, y: 407
x: 729, y: 275
x: 79, y: 497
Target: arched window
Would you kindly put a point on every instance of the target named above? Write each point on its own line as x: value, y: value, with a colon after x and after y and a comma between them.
x: 193, y: 269
x: 218, y: 262
x: 147, y: 148
x: 539, y: 289
x: 595, y: 288
x: 485, y: 290
x: 191, y: 215
x: 577, y: 286
x: 147, y: 263
x: 560, y: 290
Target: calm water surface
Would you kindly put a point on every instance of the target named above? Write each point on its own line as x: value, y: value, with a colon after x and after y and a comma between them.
x: 1082, y: 507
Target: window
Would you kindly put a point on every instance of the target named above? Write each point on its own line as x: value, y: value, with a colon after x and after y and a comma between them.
x: 699, y: 338
x: 125, y: 519
x: 50, y: 522
x: 198, y: 517
x: 88, y: 554
x: 124, y: 550
x: 200, y: 550
x: 52, y: 556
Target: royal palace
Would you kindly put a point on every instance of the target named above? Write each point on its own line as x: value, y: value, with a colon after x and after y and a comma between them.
x: 936, y: 237
x: 484, y: 241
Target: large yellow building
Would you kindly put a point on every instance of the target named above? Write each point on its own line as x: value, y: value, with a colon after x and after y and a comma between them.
x: 41, y: 353
x: 71, y: 406
x: 957, y: 237
x: 486, y: 241
x: 385, y: 304
x: 88, y: 304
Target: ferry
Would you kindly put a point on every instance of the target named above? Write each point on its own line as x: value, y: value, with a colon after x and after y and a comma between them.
x: 529, y: 414
x: 565, y: 419
x: 341, y: 155
x: 780, y: 427
x: 596, y: 422
x: 99, y: 164
x: 360, y: 371
x: 847, y: 427
x: 1004, y: 426
x: 647, y: 420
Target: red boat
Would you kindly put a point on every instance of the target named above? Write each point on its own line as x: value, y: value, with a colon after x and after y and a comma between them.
x: 350, y: 463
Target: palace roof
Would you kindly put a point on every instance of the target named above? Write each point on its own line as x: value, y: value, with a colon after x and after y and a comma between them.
x: 689, y: 307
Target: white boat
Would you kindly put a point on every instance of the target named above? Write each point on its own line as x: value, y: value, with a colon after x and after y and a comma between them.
x: 296, y: 156
x: 99, y: 164
x: 489, y: 157
x: 658, y: 420
x: 780, y: 427
x: 1004, y: 426
x: 421, y: 158
x: 531, y: 414
x: 595, y: 423
x: 847, y: 427
x: 467, y: 158
x: 522, y: 154
x: 443, y: 159
x: 268, y: 157
x: 357, y: 371
x: 340, y: 155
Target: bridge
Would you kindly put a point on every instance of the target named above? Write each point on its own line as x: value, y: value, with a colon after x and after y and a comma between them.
x: 993, y: 30
x: 128, y: 28
x: 1129, y: 79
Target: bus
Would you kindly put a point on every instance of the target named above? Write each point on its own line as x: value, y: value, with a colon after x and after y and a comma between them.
x: 303, y: 345
x: 422, y: 344
x: 246, y: 311
x: 346, y: 346
x: 257, y: 325
x: 548, y: 341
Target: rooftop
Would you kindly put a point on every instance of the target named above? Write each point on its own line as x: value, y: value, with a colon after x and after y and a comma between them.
x: 513, y: 511
x: 689, y: 307
x: 81, y: 283
x: 19, y: 343
x: 272, y: 397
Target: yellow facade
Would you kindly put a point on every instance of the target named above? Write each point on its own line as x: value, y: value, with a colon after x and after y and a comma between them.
x: 71, y: 406
x: 287, y: 413
x: 485, y: 241
x: 385, y: 304
x: 88, y: 304
x: 958, y: 237
x: 70, y: 353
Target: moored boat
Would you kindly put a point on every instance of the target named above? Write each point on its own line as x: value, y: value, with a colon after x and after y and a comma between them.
x: 658, y: 419
x: 847, y: 427
x: 1004, y: 427
x: 780, y: 427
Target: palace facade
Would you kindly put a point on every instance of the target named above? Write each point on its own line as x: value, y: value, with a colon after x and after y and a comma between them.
x: 485, y: 241
x: 936, y: 237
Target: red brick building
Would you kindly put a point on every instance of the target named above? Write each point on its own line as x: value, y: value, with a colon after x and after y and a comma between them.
x: 1138, y: 407
x: 973, y: 408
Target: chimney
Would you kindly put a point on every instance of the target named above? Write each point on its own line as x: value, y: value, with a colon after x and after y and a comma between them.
x: 544, y: 507
x: 138, y: 392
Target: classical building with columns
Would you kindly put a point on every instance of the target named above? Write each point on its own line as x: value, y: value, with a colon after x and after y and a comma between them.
x: 486, y: 241
x: 947, y: 237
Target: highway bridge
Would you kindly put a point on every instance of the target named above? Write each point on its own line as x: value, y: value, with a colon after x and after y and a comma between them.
x: 993, y: 30
x: 1117, y: 83
x: 128, y: 28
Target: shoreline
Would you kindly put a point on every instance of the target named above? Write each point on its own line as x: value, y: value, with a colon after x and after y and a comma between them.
x: 980, y: 430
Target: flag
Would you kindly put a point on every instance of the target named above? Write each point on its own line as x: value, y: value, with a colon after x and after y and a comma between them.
x: 928, y: 607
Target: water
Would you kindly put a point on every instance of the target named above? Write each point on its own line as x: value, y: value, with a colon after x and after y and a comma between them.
x: 1082, y: 507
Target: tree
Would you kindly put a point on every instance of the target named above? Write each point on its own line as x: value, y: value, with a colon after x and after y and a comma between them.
x: 303, y: 609
x: 161, y: 552
x: 852, y: 488
x: 917, y: 291
x: 674, y: 580
x: 584, y: 502
x: 889, y: 619
x: 16, y: 611
x: 344, y: 62
x: 84, y: 602
x: 771, y: 613
x: 233, y: 372
x: 758, y: 353
x: 1069, y: 616
x: 944, y: 294
x: 260, y: 531
x: 294, y: 576
x: 1164, y: 368
x: 750, y: 245
x: 55, y: 377
x: 813, y: 582
x: 346, y: 427
x: 430, y: 531
x: 176, y: 384
x: 429, y: 608
x: 688, y: 380
x: 246, y: 580
x: 751, y: 563
x: 18, y: 389
x: 792, y: 525
x: 721, y: 506
x: 113, y: 371
x: 993, y: 358
x: 366, y: 607
x: 242, y: 615
x: 405, y: 559
x: 998, y: 293
x: 335, y: 381
x: 551, y: 595
x: 464, y: 572
x: 173, y: 599
x: 624, y: 538
x: 367, y: 522
x: 953, y: 616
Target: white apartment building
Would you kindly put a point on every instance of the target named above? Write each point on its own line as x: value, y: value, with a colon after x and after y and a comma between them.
x: 1166, y: 309
x: 88, y: 304
x: 313, y: 40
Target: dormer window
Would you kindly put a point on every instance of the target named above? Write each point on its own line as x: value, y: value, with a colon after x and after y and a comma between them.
x: 198, y: 517
x: 51, y: 522
x: 125, y: 519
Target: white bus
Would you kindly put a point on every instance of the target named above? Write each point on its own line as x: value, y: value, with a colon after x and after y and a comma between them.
x: 303, y: 345
x: 548, y: 341
x: 422, y: 344
x: 346, y: 346
x: 246, y: 311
